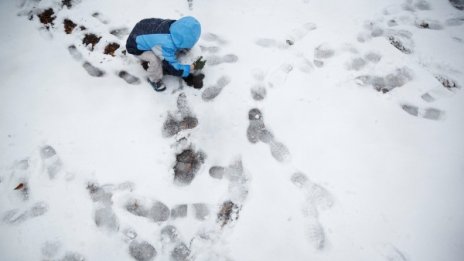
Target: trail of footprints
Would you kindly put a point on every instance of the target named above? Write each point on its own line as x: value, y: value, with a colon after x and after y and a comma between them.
x: 317, y: 197
x: 45, y: 165
x: 400, y: 39
x: 18, y: 182
x: 170, y: 245
x: 187, y: 164
x: 212, y: 59
x: 396, y: 17
x: 51, y: 17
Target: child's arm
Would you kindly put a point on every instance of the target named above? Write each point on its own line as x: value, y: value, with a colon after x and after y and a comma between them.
x: 170, y: 56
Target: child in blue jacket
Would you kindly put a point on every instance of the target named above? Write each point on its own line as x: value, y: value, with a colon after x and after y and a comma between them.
x: 158, y: 41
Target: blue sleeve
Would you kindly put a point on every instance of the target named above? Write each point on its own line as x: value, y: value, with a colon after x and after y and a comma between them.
x: 169, y: 55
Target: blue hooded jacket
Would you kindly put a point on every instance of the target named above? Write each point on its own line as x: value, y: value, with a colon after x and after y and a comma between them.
x: 165, y: 38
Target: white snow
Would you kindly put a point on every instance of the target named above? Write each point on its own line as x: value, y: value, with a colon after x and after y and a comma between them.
x: 348, y: 173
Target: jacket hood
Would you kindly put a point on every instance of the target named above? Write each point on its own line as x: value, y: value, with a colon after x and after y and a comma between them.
x: 185, y: 32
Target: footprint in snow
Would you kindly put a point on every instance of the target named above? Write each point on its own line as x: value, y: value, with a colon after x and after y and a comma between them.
x: 129, y: 78
x: 278, y: 150
x: 201, y: 210
x: 373, y: 57
x: 266, y: 42
x: 211, y: 37
x: 173, y: 125
x: 447, y: 82
x: 427, y: 113
x: 237, y: 191
x: 291, y: 38
x: 101, y: 18
x: 187, y: 165
x: 142, y: 250
x: 51, y: 162
x: 183, y: 105
x: 317, y: 199
x: 257, y: 131
x: 316, y: 194
x: 180, y: 120
x: 104, y: 215
x: 190, y: 4
x: 179, y: 211
x: 17, y: 216
x: 213, y: 60
x: 316, y: 235
x: 279, y: 76
x: 212, y: 92
x: 209, y: 49
x: 387, y: 83
x: 428, y: 97
x: 55, y: 248
x: 256, y: 125
x: 92, y: 70
x: 458, y: 4
x: 169, y: 234
x: 19, y: 179
x: 300, y: 32
x: 120, y: 32
x: 321, y: 53
x: 401, y: 40
x: 75, y: 54
x: 156, y: 211
x: 356, y: 64
x: 171, y: 241
x: 50, y: 249
x: 72, y: 256
x: 105, y: 218
x: 420, y: 5
x: 181, y: 252
x: 258, y: 90
x: 428, y: 24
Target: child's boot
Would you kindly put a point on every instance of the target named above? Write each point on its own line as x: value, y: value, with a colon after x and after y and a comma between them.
x: 158, y: 86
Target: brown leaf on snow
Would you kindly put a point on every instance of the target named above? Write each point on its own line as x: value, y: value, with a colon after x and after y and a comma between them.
x: 19, y: 187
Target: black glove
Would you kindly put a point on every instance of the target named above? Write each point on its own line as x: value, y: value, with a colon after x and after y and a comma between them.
x: 195, y: 80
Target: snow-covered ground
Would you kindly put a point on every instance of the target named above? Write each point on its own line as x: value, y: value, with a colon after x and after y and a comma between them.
x: 326, y: 130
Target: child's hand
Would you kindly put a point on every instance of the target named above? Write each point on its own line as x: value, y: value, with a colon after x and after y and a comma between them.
x: 199, y: 63
x: 192, y: 68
